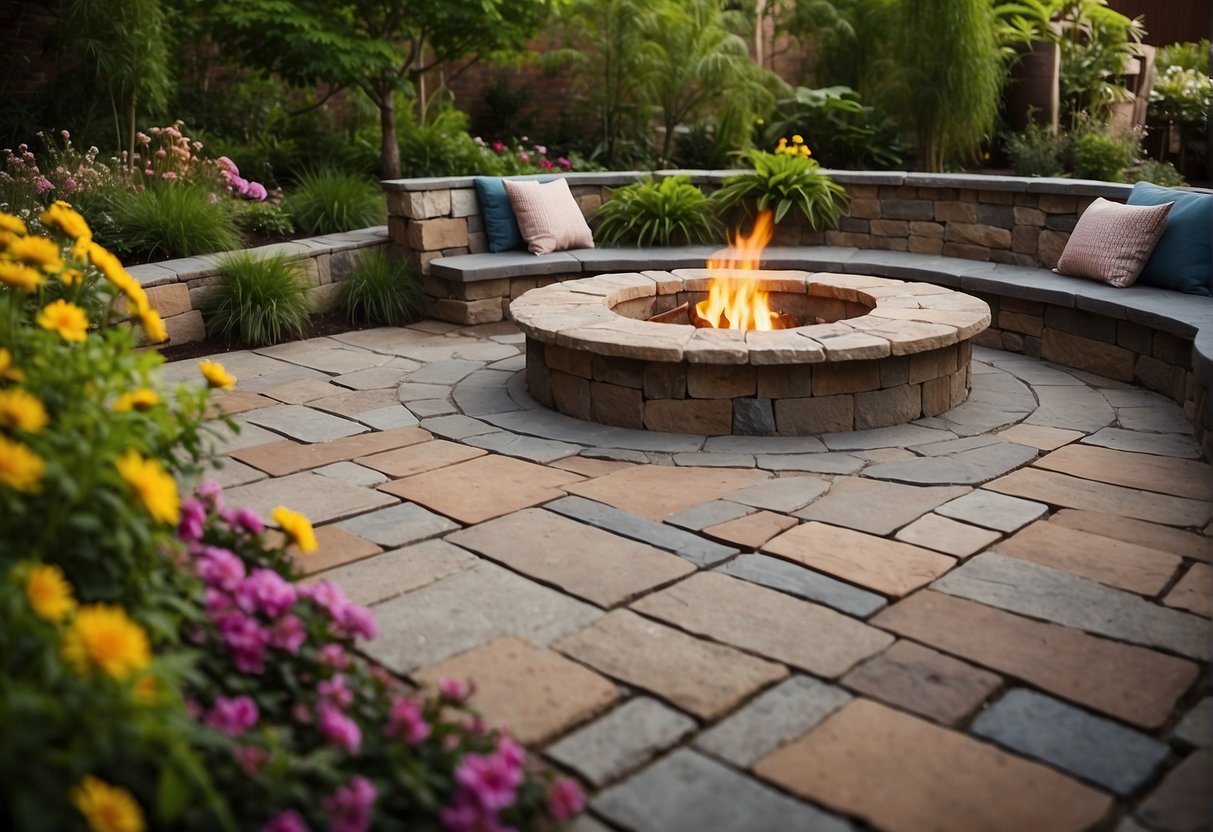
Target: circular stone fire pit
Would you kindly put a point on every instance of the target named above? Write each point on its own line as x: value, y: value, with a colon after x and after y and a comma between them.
x: 888, y: 352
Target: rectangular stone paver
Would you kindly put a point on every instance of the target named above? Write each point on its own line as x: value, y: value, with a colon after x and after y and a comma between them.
x: 802, y: 582
x: 336, y: 546
x: 373, y: 580
x: 1131, y: 683
x: 1092, y: 748
x: 286, y: 457
x: 624, y: 739
x: 904, y: 774
x: 785, y: 494
x: 993, y: 510
x: 469, y: 608
x: 951, y: 537
x: 753, y: 530
x: 483, y: 488
x: 703, y: 515
x: 1040, y: 436
x: 418, y: 458
x: 1166, y: 475
x: 657, y: 491
x: 697, y: 676
x: 1118, y: 527
x: 1194, y: 591
x: 317, y: 497
x: 1043, y: 592
x: 399, y: 525
x: 851, y: 503
x: 536, y: 692
x: 921, y: 680
x: 352, y: 473
x: 886, y: 566
x: 590, y: 563
x: 772, y: 718
x: 304, y: 424
x: 1073, y: 492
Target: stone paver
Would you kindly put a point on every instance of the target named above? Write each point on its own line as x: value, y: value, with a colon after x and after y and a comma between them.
x: 951, y: 537
x: 303, y: 423
x: 524, y: 447
x: 753, y: 530
x: 1094, y: 749
x: 373, y: 580
x: 399, y: 525
x: 697, y: 676
x: 1196, y: 728
x: 687, y: 792
x: 1130, y: 530
x: 386, y: 418
x: 924, y: 681
x: 851, y: 500
x: 352, y: 403
x: 1072, y: 492
x: 832, y: 463
x: 590, y: 563
x: 335, y: 547
x: 229, y: 473
x: 286, y: 457
x: 1072, y: 408
x: 1131, y: 683
x: 1194, y: 591
x: 418, y: 458
x: 993, y: 510
x: 1162, y: 444
x: 623, y: 740
x: 536, y: 692
x: 771, y: 719
x: 656, y: 491
x: 697, y: 518
x: 352, y: 473
x: 795, y: 579
x: 785, y: 494
x: 763, y: 621
x: 886, y: 566
x: 320, y: 499
x: 1183, y: 802
x: 231, y: 402
x: 301, y: 391
x: 1179, y: 477
x: 1040, y: 436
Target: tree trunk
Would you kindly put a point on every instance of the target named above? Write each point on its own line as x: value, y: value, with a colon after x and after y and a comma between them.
x: 389, y: 147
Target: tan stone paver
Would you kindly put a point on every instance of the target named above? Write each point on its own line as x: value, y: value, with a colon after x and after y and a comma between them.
x: 483, y: 488
x: 1073, y: 492
x: 373, y: 580
x: 231, y: 402
x: 760, y: 620
x: 418, y: 458
x: 1137, y: 685
x: 287, y: 457
x: 1040, y: 436
x: 336, y: 546
x: 352, y: 402
x: 1118, y: 527
x: 587, y: 467
x: 700, y: 677
x: 1183, y: 800
x: 536, y: 692
x: 320, y: 498
x: 582, y: 560
x: 887, y: 566
x: 302, y: 391
x: 904, y: 774
x: 657, y: 491
x: 752, y: 531
x: 1194, y: 591
x: 933, y: 531
x: 1166, y: 475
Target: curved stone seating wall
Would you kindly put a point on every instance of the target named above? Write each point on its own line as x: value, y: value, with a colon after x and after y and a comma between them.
x: 178, y: 288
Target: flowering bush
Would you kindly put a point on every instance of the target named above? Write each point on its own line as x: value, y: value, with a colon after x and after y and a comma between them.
x: 64, y: 172
x: 521, y: 156
x: 786, y: 179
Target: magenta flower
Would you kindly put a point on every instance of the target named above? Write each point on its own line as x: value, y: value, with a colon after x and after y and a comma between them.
x: 337, y: 728
x: 564, y: 163
x: 211, y: 491
x: 546, y: 164
x: 193, y: 516
x: 566, y: 800
x: 43, y: 185
x: 350, y: 806
x: 334, y: 656
x: 288, y: 633
x: 251, y: 759
x: 499, y: 147
x: 266, y: 591
x: 247, y: 640
x: 220, y: 568
x: 357, y: 621
x: 247, y: 519
x: 233, y: 716
x: 256, y: 191
x: 456, y: 690
x: 336, y: 692
x: 286, y: 821
x: 491, y: 781
x: 228, y: 166
x: 407, y: 722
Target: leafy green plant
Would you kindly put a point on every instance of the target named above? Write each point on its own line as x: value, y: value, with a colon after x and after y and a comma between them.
x: 669, y: 212
x: 781, y: 182
x: 261, y: 301
x: 1035, y: 151
x: 267, y: 218
x: 327, y: 201
x: 168, y: 220
x: 1104, y: 155
x: 381, y: 290
x: 1159, y: 173
x: 844, y: 132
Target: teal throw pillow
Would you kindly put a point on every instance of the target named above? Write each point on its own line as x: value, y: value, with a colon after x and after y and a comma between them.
x: 1183, y: 258
x: 498, y: 215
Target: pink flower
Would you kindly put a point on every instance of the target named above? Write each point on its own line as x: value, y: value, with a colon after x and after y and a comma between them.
x: 266, y: 591
x: 211, y: 491
x: 334, y: 656
x: 301, y: 714
x: 43, y: 185
x: 541, y: 150
x: 233, y: 716
x: 247, y: 640
x: 337, y: 728
x: 491, y: 781
x: 358, y: 621
x: 499, y: 147
x: 168, y: 175
x: 546, y: 164
x: 564, y: 163
x: 565, y: 799
x: 193, y: 515
x: 220, y: 568
x: 251, y: 759
x: 350, y: 806
x: 456, y: 690
x: 256, y: 191
x: 286, y: 821
x: 336, y: 692
x: 288, y: 633
x: 407, y: 722
x: 247, y: 520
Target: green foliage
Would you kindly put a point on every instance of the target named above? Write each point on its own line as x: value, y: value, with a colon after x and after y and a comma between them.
x: 442, y: 148
x: 1159, y: 173
x: 168, y: 220
x: 781, y: 182
x: 267, y: 218
x: 841, y: 130
x: 380, y: 291
x: 1103, y: 155
x: 261, y: 301
x: 1035, y: 152
x: 671, y: 211
x: 327, y: 201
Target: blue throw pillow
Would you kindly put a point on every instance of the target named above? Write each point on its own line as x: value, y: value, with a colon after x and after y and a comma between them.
x: 499, y: 224
x: 1183, y: 258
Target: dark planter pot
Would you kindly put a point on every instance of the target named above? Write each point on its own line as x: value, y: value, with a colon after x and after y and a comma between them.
x: 1033, y: 92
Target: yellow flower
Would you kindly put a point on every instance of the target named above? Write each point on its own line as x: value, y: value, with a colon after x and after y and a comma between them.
x: 297, y: 528
x: 153, y: 325
x: 103, y: 637
x: 154, y: 487
x: 67, y: 219
x: 7, y: 370
x: 146, y: 690
x: 35, y: 251
x: 72, y: 277
x: 13, y: 225
x: 216, y: 376
x: 140, y: 400
x: 65, y: 318
x: 49, y: 593
x: 111, y: 267
x: 20, y: 468
x: 798, y: 139
x: 107, y: 808
x: 20, y: 276
x: 22, y: 410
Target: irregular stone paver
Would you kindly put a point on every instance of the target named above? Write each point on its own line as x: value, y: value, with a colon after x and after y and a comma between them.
x: 588, y: 467
x: 1117, y: 527
x: 374, y: 580
x: 895, y: 435
x: 766, y: 622
x: 1162, y: 444
x: 753, y: 530
x: 886, y: 566
x: 1040, y: 436
x: 1072, y: 492
x: 1098, y: 750
x: 1179, y: 477
x: 285, y: 457
x: 656, y: 491
x: 948, y: 536
x: 830, y: 463
x: 374, y: 378
x: 690, y: 547
x: 469, y: 608
x: 335, y: 546
x: 483, y: 488
x: 1164, y: 418
x: 774, y: 717
x: 351, y: 473
x: 712, y: 513
x: 399, y: 525
x: 387, y: 418
x: 224, y: 440
x: 1128, y: 566
x: 1042, y: 592
x: 921, y: 680
x: 1183, y: 801
x: 302, y: 391
x: 784, y: 494
x: 231, y: 402
x: 410, y: 392
x: 448, y: 371
x: 805, y: 583
x: 536, y: 692
x: 687, y: 792
x: 229, y: 473
x: 1072, y: 408
x: 323, y: 354
x: 420, y: 457
x: 1196, y: 728
x: 967, y: 467
x: 425, y: 408
x: 993, y: 510
x: 456, y: 427
x: 319, y: 498
x: 356, y: 402
x: 524, y: 447
x: 698, y: 676
x: 899, y: 772
x: 590, y: 563
x: 1194, y: 591
x: 303, y: 423
x: 851, y: 500
x: 1131, y: 683
x: 624, y: 739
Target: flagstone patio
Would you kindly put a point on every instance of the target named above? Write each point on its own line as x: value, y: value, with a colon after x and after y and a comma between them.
x: 994, y: 619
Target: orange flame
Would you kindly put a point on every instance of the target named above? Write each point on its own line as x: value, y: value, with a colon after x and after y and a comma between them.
x: 735, y: 301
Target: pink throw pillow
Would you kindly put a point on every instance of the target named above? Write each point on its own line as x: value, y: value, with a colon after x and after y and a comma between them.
x: 548, y: 216
x: 1112, y: 242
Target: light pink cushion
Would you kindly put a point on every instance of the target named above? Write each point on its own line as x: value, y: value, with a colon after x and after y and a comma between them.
x: 548, y: 216
x: 1112, y: 242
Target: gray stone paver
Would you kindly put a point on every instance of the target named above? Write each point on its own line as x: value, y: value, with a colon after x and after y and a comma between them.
x: 424, y: 408
x: 352, y: 473
x: 523, y: 447
x: 456, y: 426
x: 399, y: 525
x: 304, y: 423
x: 375, y: 580
x: 1075, y: 408
x: 697, y: 518
x: 1159, y: 418
x: 851, y: 503
x: 388, y: 418
x: 809, y: 584
x: 786, y: 494
x: 319, y: 498
x: 993, y: 510
x: 448, y: 371
x: 828, y: 463
x: 1196, y: 728
x: 1162, y: 444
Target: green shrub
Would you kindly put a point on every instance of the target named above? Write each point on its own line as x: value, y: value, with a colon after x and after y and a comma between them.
x: 444, y: 148
x: 1035, y: 152
x: 1103, y: 155
x: 261, y: 301
x: 842, y: 131
x: 381, y: 291
x: 328, y: 201
x: 171, y: 220
x: 669, y: 212
x: 782, y: 181
x: 1159, y: 173
x: 254, y: 217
